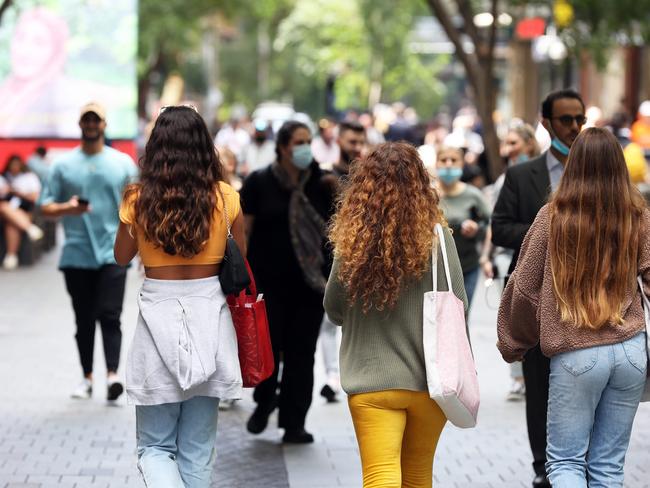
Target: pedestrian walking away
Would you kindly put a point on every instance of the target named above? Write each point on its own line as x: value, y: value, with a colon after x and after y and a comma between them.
x: 388, y: 210
x: 574, y: 292
x: 183, y: 358
x: 286, y: 207
x: 85, y: 188
x: 525, y: 191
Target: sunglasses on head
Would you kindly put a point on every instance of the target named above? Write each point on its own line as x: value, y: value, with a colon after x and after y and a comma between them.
x: 567, y: 120
x: 187, y: 105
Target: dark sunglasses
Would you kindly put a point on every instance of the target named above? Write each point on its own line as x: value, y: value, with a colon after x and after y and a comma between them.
x: 567, y: 120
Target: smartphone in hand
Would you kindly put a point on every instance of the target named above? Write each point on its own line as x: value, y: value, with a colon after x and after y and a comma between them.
x: 83, y: 202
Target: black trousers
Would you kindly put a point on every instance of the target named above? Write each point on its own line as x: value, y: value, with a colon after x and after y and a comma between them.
x: 97, y: 295
x: 537, y: 369
x: 294, y: 323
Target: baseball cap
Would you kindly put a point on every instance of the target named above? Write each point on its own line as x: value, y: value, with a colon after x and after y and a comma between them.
x: 95, y: 108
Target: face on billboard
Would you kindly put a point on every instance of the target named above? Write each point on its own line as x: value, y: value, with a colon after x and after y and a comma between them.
x: 56, y: 58
x: 32, y: 48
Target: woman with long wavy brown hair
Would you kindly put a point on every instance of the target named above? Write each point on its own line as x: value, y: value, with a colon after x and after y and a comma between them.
x: 383, y: 236
x: 183, y: 358
x: 575, y: 292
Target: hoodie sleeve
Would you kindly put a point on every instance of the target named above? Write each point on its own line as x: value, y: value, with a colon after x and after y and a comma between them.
x: 518, y: 319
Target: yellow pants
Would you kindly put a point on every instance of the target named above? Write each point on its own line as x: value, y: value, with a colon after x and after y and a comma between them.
x: 397, y: 432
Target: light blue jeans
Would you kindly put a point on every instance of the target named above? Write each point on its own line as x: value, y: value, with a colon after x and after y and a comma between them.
x: 176, y: 442
x: 593, y: 397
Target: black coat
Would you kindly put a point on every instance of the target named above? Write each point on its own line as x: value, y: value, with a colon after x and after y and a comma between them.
x: 525, y: 191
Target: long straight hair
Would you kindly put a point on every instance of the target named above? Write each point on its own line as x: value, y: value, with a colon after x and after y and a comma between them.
x: 594, y: 236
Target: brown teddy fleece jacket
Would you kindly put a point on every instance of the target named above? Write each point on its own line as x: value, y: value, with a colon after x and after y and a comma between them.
x: 529, y: 312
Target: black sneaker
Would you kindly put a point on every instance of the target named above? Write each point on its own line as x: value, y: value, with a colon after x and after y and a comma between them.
x: 329, y: 394
x: 260, y: 418
x: 297, y: 436
x: 115, y: 389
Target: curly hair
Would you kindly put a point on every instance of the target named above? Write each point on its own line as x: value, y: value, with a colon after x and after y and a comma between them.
x: 175, y: 198
x: 383, y: 229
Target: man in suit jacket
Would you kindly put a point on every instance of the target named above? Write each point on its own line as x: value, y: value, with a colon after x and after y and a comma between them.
x: 526, y: 189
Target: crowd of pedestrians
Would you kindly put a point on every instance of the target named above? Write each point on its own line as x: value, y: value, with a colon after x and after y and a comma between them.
x: 339, y: 229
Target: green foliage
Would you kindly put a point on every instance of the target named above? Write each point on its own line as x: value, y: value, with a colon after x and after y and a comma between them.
x: 599, y: 25
x: 602, y: 24
x: 363, y: 43
x: 370, y: 46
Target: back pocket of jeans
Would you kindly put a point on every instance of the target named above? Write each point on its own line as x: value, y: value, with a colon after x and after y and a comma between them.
x: 579, y: 361
x: 635, y: 350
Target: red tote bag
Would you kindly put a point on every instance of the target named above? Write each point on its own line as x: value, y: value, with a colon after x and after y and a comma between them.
x: 253, y: 337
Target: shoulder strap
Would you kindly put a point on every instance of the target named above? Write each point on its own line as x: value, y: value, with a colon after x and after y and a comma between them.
x: 445, y: 259
x: 225, y: 211
x: 434, y: 262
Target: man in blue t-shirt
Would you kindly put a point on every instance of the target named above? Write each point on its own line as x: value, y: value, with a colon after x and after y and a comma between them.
x: 85, y: 188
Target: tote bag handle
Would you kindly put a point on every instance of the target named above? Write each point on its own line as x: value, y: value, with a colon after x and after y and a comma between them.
x: 434, y: 259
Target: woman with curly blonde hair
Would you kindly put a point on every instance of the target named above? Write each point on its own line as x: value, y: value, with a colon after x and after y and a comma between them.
x: 383, y: 236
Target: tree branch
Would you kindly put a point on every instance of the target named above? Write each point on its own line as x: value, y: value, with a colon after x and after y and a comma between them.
x: 470, y: 61
x: 492, y: 39
x: 466, y: 11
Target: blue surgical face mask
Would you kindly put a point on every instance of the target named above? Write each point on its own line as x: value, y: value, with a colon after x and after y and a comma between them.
x: 301, y: 156
x: 560, y: 147
x: 450, y: 176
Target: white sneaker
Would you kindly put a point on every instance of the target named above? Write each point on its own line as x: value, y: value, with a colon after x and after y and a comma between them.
x: 10, y: 262
x: 34, y: 233
x: 517, y: 391
x: 84, y: 391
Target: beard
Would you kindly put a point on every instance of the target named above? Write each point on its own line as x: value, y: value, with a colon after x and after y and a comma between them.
x: 92, y: 136
x: 346, y: 157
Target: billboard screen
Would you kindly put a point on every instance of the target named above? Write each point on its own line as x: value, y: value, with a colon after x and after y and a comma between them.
x: 57, y: 55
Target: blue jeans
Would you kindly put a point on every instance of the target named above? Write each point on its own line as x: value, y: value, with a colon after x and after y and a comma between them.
x: 593, y: 397
x: 176, y: 442
x: 471, y: 278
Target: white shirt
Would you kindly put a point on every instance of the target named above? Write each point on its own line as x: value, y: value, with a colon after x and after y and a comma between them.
x: 4, y: 186
x: 233, y: 139
x: 325, y: 154
x: 555, y: 169
x: 25, y: 183
x: 257, y: 157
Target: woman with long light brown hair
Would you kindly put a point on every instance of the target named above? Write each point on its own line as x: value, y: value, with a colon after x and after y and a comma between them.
x: 575, y: 292
x: 383, y: 236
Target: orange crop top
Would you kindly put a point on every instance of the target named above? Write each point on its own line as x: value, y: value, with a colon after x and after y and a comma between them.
x: 212, y: 253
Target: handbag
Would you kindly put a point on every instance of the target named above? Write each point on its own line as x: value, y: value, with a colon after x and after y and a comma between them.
x: 646, y: 313
x: 248, y: 312
x: 450, y: 370
x: 233, y: 275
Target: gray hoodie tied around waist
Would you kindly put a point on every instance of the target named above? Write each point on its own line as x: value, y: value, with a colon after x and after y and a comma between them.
x: 184, y: 344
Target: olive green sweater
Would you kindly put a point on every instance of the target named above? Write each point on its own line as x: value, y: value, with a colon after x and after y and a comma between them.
x: 384, y: 350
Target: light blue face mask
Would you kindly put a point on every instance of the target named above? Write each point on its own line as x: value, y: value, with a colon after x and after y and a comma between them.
x: 560, y: 147
x: 449, y: 176
x: 301, y: 156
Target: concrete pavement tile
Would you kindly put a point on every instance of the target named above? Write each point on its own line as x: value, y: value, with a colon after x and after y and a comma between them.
x: 6, y: 479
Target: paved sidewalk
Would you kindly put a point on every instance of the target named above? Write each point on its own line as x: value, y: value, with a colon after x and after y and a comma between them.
x: 48, y: 440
